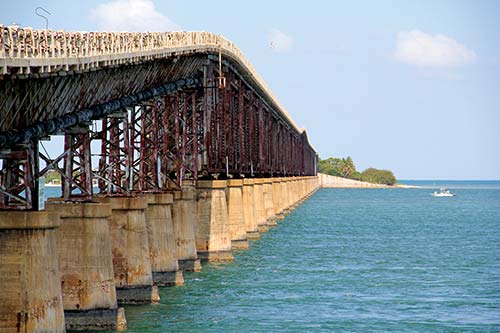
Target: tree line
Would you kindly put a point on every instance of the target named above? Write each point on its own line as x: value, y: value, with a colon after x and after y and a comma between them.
x: 344, y: 167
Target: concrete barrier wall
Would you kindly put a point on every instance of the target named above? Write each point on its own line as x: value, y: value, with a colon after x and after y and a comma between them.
x: 327, y: 181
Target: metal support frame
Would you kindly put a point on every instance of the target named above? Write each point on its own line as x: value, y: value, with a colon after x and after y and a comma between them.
x: 225, y: 129
x: 144, y: 137
x: 76, y: 173
x: 18, y: 177
x: 115, y: 173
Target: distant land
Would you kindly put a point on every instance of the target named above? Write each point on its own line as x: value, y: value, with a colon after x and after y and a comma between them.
x: 345, y: 168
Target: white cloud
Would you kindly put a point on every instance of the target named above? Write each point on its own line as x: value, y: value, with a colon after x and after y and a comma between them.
x: 279, y: 41
x: 435, y: 51
x: 131, y: 15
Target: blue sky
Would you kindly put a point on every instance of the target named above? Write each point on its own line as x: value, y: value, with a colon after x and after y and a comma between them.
x: 410, y: 86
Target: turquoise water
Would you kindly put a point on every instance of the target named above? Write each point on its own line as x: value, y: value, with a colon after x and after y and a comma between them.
x: 352, y: 260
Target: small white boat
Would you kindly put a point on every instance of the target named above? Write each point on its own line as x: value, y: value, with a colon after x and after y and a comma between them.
x: 443, y: 192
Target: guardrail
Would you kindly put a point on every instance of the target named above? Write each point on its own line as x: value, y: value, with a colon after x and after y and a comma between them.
x: 64, y: 49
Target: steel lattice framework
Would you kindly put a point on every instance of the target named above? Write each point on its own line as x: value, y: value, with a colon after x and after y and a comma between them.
x: 160, y: 122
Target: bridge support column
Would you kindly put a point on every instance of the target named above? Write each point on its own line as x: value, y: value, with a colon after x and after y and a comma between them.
x: 277, y: 198
x: 161, y: 240
x: 284, y: 191
x: 260, y: 212
x: 130, y: 248
x: 296, y: 192
x: 249, y: 210
x: 269, y: 202
x: 236, y: 217
x: 30, y: 299
x: 86, y: 265
x: 183, y: 216
x: 291, y: 193
x: 213, y: 239
x: 303, y: 188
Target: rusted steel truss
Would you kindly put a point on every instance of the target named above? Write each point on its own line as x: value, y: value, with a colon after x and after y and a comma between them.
x: 76, y: 172
x: 18, y: 175
x: 115, y: 172
x: 186, y: 131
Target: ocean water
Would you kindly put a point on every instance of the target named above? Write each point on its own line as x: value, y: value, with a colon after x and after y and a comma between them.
x: 353, y: 260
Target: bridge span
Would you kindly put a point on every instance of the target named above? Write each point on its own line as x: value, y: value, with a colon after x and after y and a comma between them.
x: 175, y: 151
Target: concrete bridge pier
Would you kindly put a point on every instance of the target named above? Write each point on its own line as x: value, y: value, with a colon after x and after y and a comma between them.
x: 296, y: 192
x: 291, y: 193
x: 161, y: 239
x: 260, y: 212
x: 30, y: 299
x: 285, y: 195
x: 130, y: 248
x: 277, y: 198
x: 213, y: 240
x: 269, y: 202
x: 236, y: 217
x: 249, y: 209
x: 304, y: 188
x: 299, y: 190
x: 184, y: 212
x: 86, y: 266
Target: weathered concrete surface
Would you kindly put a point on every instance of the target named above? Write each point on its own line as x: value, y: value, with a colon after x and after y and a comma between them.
x: 284, y: 193
x: 236, y: 219
x: 86, y: 265
x: 96, y: 320
x: 269, y: 202
x: 327, y: 181
x: 249, y: 209
x: 260, y: 213
x: 130, y: 248
x: 277, y: 197
x: 30, y: 299
x: 183, y: 216
x: 161, y: 240
x: 213, y: 239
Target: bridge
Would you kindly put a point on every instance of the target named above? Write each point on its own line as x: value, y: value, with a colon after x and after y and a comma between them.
x: 175, y: 151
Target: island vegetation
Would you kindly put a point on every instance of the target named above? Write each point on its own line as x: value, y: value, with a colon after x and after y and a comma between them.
x: 344, y: 167
x: 52, y: 177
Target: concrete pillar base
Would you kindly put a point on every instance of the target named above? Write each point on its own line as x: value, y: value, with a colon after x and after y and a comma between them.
x: 240, y: 244
x: 216, y: 256
x: 137, y: 294
x: 190, y: 265
x: 253, y: 235
x: 161, y: 239
x: 272, y: 222
x: 96, y: 320
x: 30, y: 297
x: 263, y: 229
x: 168, y: 279
x: 83, y: 245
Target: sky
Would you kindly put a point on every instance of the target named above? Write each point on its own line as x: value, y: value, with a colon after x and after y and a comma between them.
x: 409, y: 86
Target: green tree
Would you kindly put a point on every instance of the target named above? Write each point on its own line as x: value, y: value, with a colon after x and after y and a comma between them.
x: 330, y: 166
x: 346, y: 167
x: 377, y: 176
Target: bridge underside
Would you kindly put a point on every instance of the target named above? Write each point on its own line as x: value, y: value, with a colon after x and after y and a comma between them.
x: 157, y: 123
x: 25, y: 102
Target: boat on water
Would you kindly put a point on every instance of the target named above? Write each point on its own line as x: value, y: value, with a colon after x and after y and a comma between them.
x: 443, y: 192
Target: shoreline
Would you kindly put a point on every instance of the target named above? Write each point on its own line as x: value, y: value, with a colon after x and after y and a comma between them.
x: 327, y: 181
